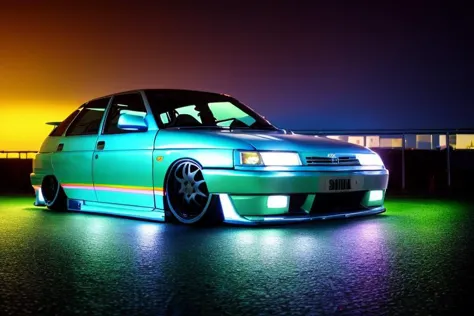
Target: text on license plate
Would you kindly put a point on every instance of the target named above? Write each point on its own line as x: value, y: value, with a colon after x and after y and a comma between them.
x: 339, y: 184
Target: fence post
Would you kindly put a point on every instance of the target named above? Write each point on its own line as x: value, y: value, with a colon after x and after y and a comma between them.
x: 403, y: 162
x: 448, y: 159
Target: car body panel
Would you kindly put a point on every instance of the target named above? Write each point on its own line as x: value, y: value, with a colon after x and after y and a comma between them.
x: 131, y: 211
x: 73, y: 166
x: 123, y: 169
x: 277, y: 141
x: 288, y: 182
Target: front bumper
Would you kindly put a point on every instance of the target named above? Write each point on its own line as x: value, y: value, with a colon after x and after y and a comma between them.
x: 232, y: 217
x: 247, y: 196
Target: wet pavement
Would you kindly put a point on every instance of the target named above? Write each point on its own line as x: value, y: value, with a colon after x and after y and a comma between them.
x: 417, y: 258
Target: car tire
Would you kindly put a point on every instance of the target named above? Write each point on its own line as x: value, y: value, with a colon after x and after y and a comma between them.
x: 54, y: 196
x: 187, y: 200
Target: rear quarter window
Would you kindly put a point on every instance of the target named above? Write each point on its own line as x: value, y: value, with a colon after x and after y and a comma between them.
x: 61, y: 128
x: 87, y: 122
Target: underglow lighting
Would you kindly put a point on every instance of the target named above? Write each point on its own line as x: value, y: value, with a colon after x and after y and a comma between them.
x: 277, y: 201
x: 269, y: 219
x: 375, y: 195
x: 39, y: 198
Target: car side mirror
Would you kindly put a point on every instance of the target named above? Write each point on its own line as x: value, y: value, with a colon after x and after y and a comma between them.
x: 131, y: 122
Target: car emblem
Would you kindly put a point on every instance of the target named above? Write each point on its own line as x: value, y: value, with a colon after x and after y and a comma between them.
x: 333, y: 157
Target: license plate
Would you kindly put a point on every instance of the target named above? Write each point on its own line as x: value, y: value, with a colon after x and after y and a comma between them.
x: 339, y: 184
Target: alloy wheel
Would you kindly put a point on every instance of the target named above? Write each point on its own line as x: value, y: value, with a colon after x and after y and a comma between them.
x: 186, y: 192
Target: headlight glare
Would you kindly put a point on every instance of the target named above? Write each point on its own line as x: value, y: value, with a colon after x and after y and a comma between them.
x: 370, y: 160
x: 280, y: 159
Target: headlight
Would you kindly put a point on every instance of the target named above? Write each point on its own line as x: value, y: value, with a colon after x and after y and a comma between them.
x: 250, y: 158
x: 370, y: 160
x: 269, y: 158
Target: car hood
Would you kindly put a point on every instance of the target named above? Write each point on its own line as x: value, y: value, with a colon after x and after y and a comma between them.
x: 299, y: 143
x: 254, y: 140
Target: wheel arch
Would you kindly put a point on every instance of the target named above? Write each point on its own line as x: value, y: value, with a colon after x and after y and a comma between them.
x: 212, y: 214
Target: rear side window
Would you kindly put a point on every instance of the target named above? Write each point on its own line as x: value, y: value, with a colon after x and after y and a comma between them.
x: 61, y: 128
x: 88, y: 120
x: 131, y: 103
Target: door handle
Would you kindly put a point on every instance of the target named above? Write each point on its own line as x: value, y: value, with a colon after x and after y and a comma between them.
x: 101, y: 145
x: 60, y: 147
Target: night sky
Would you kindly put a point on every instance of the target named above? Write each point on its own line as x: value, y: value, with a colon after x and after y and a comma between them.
x: 302, y: 65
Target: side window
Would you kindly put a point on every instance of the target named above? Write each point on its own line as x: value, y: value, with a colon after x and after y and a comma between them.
x: 125, y: 103
x: 61, y: 128
x: 88, y: 120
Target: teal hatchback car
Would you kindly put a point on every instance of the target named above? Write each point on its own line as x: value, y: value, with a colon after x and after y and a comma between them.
x: 200, y: 157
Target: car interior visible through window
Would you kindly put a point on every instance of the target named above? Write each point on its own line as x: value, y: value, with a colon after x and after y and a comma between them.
x: 214, y: 112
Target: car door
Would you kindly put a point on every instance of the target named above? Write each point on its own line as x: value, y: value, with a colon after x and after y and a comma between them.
x: 123, y: 162
x: 72, y: 160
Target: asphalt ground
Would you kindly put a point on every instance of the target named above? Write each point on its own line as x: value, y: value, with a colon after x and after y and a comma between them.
x: 414, y: 259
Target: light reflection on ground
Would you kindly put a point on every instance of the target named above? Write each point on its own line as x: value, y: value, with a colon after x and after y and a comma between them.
x: 416, y: 257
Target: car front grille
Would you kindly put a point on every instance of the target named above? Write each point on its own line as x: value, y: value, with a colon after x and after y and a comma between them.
x: 327, y: 203
x: 328, y: 161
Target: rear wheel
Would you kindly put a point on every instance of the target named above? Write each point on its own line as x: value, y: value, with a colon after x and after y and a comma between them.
x: 187, y: 196
x: 53, y: 194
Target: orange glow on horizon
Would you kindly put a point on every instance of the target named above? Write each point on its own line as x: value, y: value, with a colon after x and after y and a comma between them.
x: 23, y: 126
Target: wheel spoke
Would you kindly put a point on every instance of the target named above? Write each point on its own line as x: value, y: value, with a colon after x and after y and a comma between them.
x: 193, y: 198
x: 188, y: 172
x: 198, y: 192
x: 197, y: 183
x: 187, y: 198
x: 193, y: 174
x: 176, y: 175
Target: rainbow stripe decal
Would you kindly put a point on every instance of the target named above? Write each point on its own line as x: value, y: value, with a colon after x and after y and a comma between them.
x: 115, y: 188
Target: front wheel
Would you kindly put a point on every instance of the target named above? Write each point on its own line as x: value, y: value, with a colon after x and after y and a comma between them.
x: 187, y: 196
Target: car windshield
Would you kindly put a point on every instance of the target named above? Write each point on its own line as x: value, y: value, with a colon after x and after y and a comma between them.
x: 188, y: 109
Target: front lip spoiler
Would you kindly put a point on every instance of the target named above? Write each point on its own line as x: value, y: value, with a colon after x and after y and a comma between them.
x: 232, y: 217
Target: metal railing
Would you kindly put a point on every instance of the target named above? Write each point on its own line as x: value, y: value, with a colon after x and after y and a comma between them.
x: 16, y: 154
x: 400, y: 133
x: 387, y: 132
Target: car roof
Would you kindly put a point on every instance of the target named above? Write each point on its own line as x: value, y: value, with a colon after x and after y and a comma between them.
x: 171, y: 92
